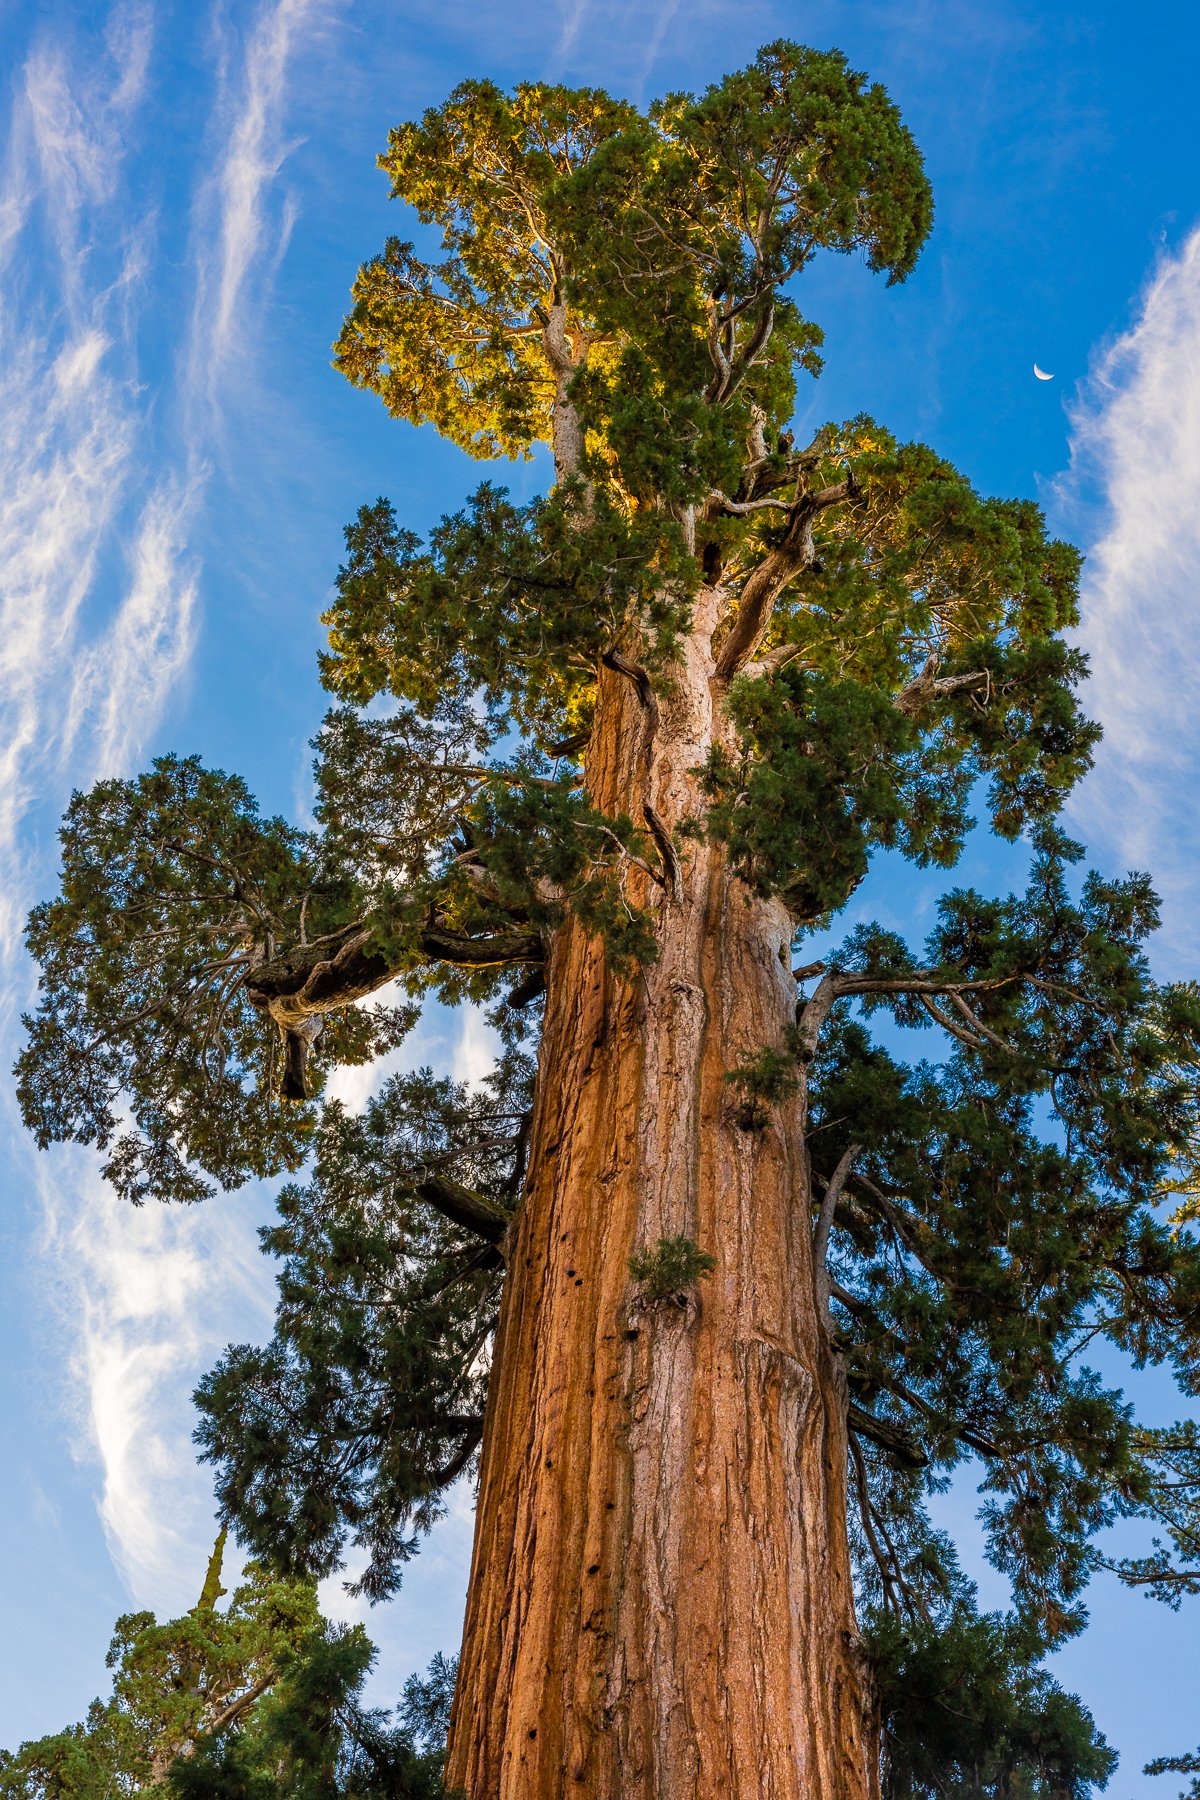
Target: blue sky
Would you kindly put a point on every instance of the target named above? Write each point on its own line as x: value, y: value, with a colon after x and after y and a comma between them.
x: 185, y: 193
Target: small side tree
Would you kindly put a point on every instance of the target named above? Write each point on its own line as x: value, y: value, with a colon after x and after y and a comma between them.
x: 641, y: 736
x: 256, y: 1701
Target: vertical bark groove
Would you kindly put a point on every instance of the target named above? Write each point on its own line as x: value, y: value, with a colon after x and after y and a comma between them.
x: 660, y: 1603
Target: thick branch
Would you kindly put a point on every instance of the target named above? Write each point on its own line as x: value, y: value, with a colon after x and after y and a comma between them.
x: 835, y: 1187
x: 923, y: 983
x: 815, y: 1013
x: 333, y: 971
x: 531, y: 987
x: 463, y: 1206
x: 236, y: 1708
x: 569, y: 746
x: 887, y: 1436
x: 303, y: 984
x: 450, y: 1471
x: 731, y: 366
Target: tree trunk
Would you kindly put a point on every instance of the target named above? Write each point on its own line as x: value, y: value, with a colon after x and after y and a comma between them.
x: 660, y: 1602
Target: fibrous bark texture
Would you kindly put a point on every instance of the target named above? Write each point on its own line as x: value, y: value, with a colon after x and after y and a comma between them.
x: 660, y: 1600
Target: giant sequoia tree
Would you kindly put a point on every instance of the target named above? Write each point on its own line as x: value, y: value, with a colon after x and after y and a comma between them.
x: 717, y: 1288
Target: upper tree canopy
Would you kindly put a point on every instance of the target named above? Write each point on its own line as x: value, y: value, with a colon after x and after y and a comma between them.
x: 620, y: 286
x: 654, y: 248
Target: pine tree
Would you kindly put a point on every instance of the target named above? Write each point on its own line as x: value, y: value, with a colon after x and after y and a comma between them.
x: 259, y: 1701
x: 718, y: 1291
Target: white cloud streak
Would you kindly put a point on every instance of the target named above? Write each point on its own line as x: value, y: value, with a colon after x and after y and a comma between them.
x: 150, y: 639
x: 142, y: 1286
x: 146, y: 1297
x: 236, y: 227
x: 1136, y: 440
x: 478, y: 1047
x: 99, y: 600
x: 65, y: 442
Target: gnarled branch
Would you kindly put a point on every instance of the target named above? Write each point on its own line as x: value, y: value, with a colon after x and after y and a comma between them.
x: 298, y: 987
x: 926, y: 686
x: 765, y: 584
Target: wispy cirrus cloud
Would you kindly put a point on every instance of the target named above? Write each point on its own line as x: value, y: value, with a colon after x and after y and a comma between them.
x: 68, y: 415
x: 237, y: 229
x: 154, y: 1293
x: 144, y: 1300
x: 65, y: 443
x: 148, y: 641
x: 1136, y: 446
x: 105, y: 462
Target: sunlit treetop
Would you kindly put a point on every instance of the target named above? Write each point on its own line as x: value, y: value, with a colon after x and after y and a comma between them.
x: 578, y: 230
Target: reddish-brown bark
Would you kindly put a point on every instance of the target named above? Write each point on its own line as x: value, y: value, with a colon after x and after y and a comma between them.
x: 660, y: 1600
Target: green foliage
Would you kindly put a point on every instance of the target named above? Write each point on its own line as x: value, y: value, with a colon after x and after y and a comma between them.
x: 446, y: 343
x: 392, y: 791
x: 842, y: 750
x: 312, y: 1740
x: 1002, y: 1213
x: 173, y: 890
x: 554, y: 198
x: 967, y: 1711
x: 368, y: 1401
x: 259, y: 1701
x: 670, y: 1269
x: 171, y: 1685
x: 151, y: 1040
x: 548, y: 852
x: 517, y: 603
x: 1178, y: 1765
x: 762, y: 1081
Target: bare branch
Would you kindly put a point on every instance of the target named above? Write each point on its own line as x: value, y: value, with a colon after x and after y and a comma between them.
x: 772, y: 660
x: 834, y: 1189
x: 947, y: 1024
x: 887, y: 1436
x: 720, y: 502
x: 480, y: 772
x: 899, y: 1221
x: 919, y: 981
x: 808, y: 970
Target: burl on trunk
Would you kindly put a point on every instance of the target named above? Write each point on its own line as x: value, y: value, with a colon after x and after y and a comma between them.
x: 660, y: 1601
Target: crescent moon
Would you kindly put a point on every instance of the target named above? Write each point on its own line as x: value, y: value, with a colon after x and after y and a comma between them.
x: 1041, y: 374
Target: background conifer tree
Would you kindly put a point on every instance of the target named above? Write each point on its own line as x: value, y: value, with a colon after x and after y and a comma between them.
x: 719, y: 1289
x: 255, y: 1701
